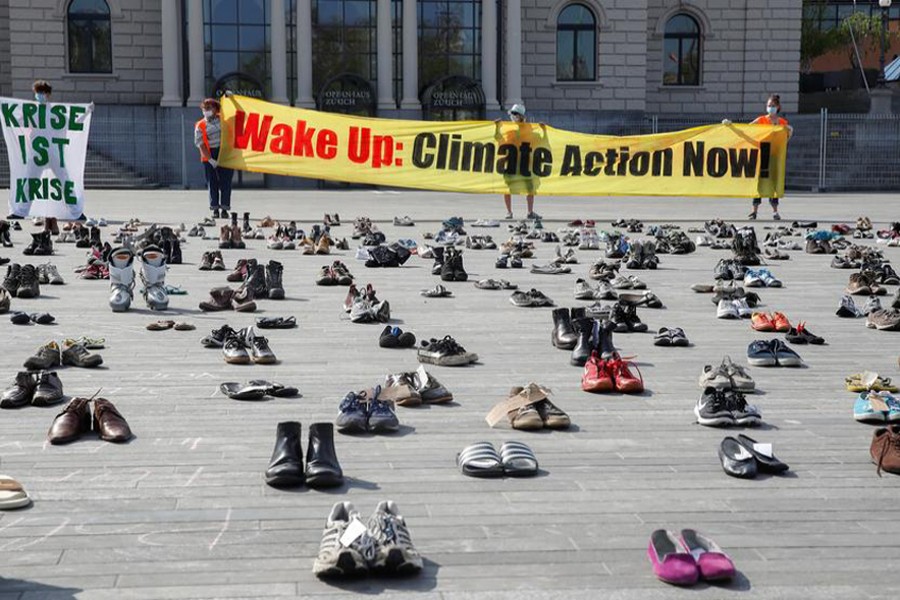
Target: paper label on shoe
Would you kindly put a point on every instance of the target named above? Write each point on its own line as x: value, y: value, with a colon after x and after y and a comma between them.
x: 764, y: 449
x: 354, y: 530
x: 878, y: 403
x: 697, y: 553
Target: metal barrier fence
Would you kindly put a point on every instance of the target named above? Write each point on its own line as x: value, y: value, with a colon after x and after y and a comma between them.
x: 147, y: 146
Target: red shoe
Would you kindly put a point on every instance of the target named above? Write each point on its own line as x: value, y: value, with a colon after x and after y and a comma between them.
x: 780, y: 322
x: 596, y: 378
x: 589, y: 223
x: 576, y: 223
x: 761, y: 321
x: 624, y: 380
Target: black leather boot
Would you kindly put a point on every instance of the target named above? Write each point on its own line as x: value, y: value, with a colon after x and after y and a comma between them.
x: 246, y: 226
x: 322, y: 466
x: 256, y: 282
x: 563, y: 336
x: 584, y: 328
x: 576, y: 313
x: 448, y: 268
x: 274, y: 272
x: 605, y: 344
x: 234, y: 218
x: 438, y: 252
x: 4, y: 234
x: 286, y: 467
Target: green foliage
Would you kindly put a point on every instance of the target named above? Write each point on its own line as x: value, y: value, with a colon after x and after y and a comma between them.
x: 814, y: 41
x: 867, y: 30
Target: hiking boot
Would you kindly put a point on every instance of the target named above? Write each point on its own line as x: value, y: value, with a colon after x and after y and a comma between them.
x: 71, y: 423
x: 28, y: 282
x: 394, y: 550
x: 273, y: 279
x: 240, y: 270
x: 225, y: 242
x: 237, y: 240
x: 206, y: 262
x: 234, y: 350
x: 219, y: 299
x: 255, y: 282
x: 563, y: 335
x: 46, y: 357
x: 49, y: 389
x: 11, y: 281
x: 153, y: 276
x: 635, y: 255
x: 77, y: 355
x: 21, y: 391
x: 352, y: 414
x: 339, y: 560
x: 885, y: 449
x: 286, y: 465
x: 886, y: 319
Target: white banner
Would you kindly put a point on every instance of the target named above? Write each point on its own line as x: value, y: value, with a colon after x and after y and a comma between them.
x: 47, y: 145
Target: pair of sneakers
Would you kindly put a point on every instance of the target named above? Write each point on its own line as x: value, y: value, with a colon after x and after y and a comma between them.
x: 610, y: 375
x: 725, y: 407
x: 761, y: 278
x: 351, y: 548
x: 772, y: 353
x: 363, y: 411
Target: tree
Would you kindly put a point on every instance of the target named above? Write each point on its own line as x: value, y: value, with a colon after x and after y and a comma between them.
x: 866, y: 30
x: 815, y: 41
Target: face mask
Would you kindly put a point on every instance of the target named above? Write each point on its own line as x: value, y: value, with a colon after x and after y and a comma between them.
x: 207, y: 113
x: 40, y: 97
x: 772, y: 110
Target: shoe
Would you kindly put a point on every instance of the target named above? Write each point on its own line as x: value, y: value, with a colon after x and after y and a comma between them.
x: 766, y: 462
x: 563, y: 335
x: 445, y: 352
x: 744, y: 414
x: 28, y: 282
x: 401, y: 389
x: 352, y: 414
x: 780, y: 322
x: 380, y: 415
x: 887, y: 319
x: 48, y: 391
x: 429, y: 388
x: 736, y: 460
x: 48, y: 274
x: 871, y: 305
x: 761, y: 321
x: 740, y: 378
x: 11, y: 281
x: 240, y: 270
x: 727, y: 310
x: 394, y: 551
x: 713, y: 563
x: 337, y: 559
x: 760, y: 353
x: 76, y: 355
x: 219, y: 299
x: 785, y: 356
x: 712, y: 409
x: 234, y: 350
x: 109, y: 423
x: 273, y: 277
x: 21, y: 391
x: 47, y: 357
x: 322, y: 467
x: 716, y: 378
x: 286, y: 465
x: 848, y: 309
x: 71, y: 423
x: 255, y: 282
x: 864, y: 408
x: 672, y: 561
x: 623, y: 379
x: 885, y: 449
x: 260, y: 353
x: 801, y: 335
x: 218, y: 263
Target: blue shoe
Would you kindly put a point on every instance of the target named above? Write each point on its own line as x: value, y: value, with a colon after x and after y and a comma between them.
x: 352, y: 416
x: 865, y: 413
x: 760, y: 353
x: 893, y: 404
x: 381, y: 415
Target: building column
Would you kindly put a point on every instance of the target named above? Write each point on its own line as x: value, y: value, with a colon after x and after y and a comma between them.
x: 196, y: 54
x: 171, y: 53
x: 279, y: 53
x: 513, y: 59
x: 410, y: 56
x: 385, y: 56
x: 304, y: 55
x: 489, y: 54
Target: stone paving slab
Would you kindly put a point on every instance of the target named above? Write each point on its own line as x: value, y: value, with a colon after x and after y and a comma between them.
x: 182, y: 511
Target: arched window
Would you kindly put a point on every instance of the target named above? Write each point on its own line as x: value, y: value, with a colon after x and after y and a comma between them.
x: 576, y: 44
x: 90, y: 37
x: 681, y: 51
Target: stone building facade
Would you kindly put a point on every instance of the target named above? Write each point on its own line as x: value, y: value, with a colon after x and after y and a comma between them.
x: 162, y: 52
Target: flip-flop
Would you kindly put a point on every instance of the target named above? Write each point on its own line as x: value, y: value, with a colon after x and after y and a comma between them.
x: 160, y: 325
x: 42, y: 318
x: 276, y: 322
x: 182, y: 326
x: 12, y: 494
x: 480, y: 460
x: 237, y: 391
x: 275, y: 389
x: 518, y: 460
x: 488, y: 284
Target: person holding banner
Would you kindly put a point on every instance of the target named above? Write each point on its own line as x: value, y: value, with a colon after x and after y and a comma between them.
x: 207, y: 138
x: 518, y: 183
x: 772, y: 117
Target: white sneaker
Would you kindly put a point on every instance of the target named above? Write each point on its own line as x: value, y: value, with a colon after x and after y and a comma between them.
x: 727, y: 310
x: 743, y: 309
x: 753, y: 279
x: 339, y: 558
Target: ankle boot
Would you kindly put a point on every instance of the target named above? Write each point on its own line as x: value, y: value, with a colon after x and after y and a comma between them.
x: 34, y: 245
x: 255, y: 283
x: 274, y: 271
x: 234, y: 218
x: 51, y: 225
x: 246, y: 225
x: 286, y: 467
x: 563, y: 336
x: 121, y: 279
x: 448, y: 268
x: 236, y: 238
x: 438, y: 252
x: 584, y: 328
x: 4, y: 234
x: 225, y: 238
x: 153, y: 275
x: 322, y: 467
x: 219, y: 299
x: 240, y: 270
x: 605, y: 342
x: 575, y: 314
x: 95, y: 237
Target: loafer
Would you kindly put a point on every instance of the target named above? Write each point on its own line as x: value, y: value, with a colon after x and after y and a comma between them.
x: 71, y: 423
x: 713, y: 563
x: 109, y: 424
x: 672, y: 561
x: 737, y: 460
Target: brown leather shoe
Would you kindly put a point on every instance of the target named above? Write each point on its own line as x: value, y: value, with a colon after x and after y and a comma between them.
x: 219, y: 299
x: 885, y: 449
x: 109, y: 423
x: 71, y: 423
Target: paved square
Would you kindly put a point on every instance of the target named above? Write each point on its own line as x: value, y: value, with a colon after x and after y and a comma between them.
x: 183, y: 512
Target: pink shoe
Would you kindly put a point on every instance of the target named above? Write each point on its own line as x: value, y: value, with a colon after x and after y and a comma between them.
x: 713, y: 562
x: 671, y: 560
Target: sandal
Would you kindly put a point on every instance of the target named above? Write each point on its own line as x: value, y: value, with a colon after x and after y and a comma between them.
x: 518, y: 460
x: 437, y: 291
x: 480, y: 460
x: 276, y: 322
x: 160, y: 325
x: 275, y: 389
x: 869, y: 381
x: 236, y: 391
x: 12, y: 494
x: 488, y: 284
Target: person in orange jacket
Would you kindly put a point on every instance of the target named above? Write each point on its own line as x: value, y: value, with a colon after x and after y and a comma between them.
x: 207, y: 137
x: 772, y: 117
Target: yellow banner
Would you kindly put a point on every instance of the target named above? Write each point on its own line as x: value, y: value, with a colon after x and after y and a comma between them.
x: 504, y: 157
